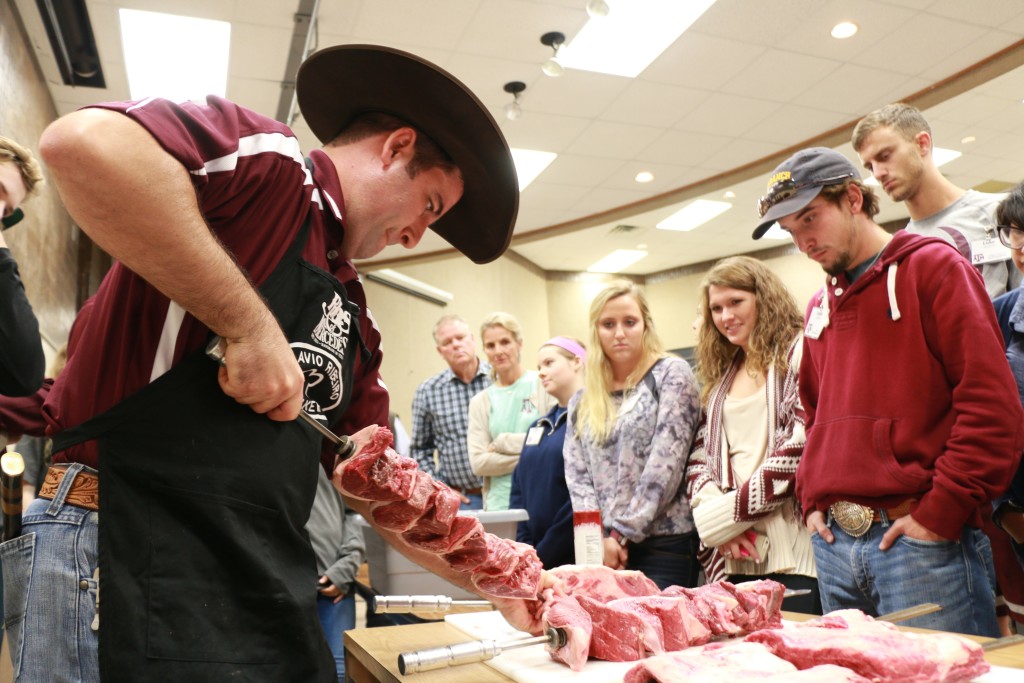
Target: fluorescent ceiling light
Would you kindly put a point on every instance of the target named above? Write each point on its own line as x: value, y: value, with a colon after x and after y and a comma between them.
x: 695, y: 213
x: 175, y: 57
x: 632, y: 36
x: 940, y: 155
x: 410, y: 285
x: 529, y: 164
x: 776, y: 233
x: 617, y: 260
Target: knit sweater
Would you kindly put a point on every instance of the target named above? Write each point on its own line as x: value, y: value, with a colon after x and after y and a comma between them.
x: 724, y: 507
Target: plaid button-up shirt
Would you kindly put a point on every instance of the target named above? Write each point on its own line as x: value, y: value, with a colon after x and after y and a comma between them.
x: 440, y: 419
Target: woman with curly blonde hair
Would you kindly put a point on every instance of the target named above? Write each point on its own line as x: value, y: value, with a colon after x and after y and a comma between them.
x: 740, y: 475
x: 628, y: 435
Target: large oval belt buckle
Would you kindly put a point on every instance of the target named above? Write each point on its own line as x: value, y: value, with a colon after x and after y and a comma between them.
x: 854, y: 519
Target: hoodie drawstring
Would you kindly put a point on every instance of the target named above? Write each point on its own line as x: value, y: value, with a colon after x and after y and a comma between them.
x: 894, y: 309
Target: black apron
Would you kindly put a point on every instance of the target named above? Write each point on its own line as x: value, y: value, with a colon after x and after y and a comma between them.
x: 206, y: 572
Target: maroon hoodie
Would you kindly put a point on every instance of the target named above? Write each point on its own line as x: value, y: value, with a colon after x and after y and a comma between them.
x: 908, y: 391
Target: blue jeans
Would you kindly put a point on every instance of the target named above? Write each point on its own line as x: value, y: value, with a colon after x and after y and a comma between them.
x: 959, y: 575
x: 50, y: 592
x: 667, y: 560
x: 337, y: 618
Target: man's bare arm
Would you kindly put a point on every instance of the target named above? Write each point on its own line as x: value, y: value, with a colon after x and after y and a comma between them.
x: 137, y: 202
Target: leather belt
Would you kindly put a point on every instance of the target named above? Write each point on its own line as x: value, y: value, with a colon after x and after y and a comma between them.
x: 856, y: 519
x: 84, y: 492
x: 469, y: 492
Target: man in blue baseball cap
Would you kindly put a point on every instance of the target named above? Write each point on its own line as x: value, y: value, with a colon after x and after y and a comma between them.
x: 913, y: 425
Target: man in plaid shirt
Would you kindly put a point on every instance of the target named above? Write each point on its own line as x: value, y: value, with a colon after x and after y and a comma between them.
x: 440, y: 411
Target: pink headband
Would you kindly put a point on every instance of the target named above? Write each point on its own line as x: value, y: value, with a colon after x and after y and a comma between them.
x: 569, y: 345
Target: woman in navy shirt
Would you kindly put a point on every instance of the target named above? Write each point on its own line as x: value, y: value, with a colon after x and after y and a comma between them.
x: 538, y: 483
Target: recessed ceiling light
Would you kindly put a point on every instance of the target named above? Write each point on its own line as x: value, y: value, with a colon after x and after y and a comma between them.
x: 644, y: 177
x: 641, y: 246
x: 694, y: 214
x: 529, y: 164
x: 968, y: 140
x: 729, y: 194
x: 175, y: 57
x: 617, y: 260
x: 844, y: 29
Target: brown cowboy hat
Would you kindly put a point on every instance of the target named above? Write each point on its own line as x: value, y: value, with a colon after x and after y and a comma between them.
x: 337, y: 83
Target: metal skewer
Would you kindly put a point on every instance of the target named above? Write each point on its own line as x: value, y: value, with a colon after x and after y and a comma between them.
x: 473, y: 651
x: 1005, y: 641
x: 405, y: 604
x: 343, y: 446
x: 910, y: 612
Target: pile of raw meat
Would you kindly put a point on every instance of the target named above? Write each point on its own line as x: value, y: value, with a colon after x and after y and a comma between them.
x: 425, y: 513
x: 846, y: 645
x: 621, y: 616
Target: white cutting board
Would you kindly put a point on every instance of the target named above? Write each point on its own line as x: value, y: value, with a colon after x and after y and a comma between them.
x: 532, y: 664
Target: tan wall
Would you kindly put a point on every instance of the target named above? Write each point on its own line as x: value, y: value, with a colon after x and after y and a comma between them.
x: 544, y: 307
x: 406, y: 322
x: 45, y: 244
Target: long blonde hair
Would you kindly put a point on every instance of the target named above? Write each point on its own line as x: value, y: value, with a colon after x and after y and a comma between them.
x: 596, y: 411
x: 778, y: 321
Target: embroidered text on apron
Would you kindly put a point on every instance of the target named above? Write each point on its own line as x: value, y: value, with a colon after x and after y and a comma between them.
x: 206, y: 572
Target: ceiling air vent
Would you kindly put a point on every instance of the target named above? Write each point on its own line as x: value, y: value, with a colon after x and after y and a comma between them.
x: 70, y: 33
x: 622, y: 229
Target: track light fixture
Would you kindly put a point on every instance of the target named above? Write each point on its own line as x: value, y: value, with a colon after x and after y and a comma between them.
x: 552, y: 67
x: 513, y: 110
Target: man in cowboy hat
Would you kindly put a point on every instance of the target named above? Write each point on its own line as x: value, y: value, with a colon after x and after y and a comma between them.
x: 221, y: 227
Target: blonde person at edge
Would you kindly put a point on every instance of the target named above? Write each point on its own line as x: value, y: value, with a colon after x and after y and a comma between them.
x: 742, y: 467
x: 627, y: 440
x: 500, y: 415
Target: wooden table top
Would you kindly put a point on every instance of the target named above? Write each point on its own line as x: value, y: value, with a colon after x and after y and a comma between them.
x: 374, y: 653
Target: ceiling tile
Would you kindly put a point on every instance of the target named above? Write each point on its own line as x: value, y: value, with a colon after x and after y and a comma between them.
x: 780, y: 76
x: 791, y: 124
x: 654, y: 104
x: 701, y: 61
x: 578, y: 170
x: 850, y: 89
x: 614, y: 140
x: 912, y: 47
x: 726, y: 112
x: 682, y: 147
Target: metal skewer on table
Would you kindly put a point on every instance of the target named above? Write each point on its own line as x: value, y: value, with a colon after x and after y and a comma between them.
x: 473, y: 651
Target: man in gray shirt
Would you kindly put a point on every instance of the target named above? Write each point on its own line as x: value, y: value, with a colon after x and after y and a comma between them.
x: 895, y: 145
x: 440, y: 411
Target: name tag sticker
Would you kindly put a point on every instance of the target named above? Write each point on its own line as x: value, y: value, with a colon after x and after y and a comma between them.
x: 533, y: 436
x: 988, y: 250
x: 816, y: 323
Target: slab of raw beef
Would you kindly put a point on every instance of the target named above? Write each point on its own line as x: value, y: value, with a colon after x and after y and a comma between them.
x: 718, y: 608
x: 401, y: 515
x: 466, y: 532
x: 876, y: 649
x: 680, y: 623
x: 617, y: 636
x: 378, y: 473
x: 763, y: 602
x: 444, y: 507
x: 564, y: 612
x: 522, y: 582
x: 736, y: 661
x: 603, y: 583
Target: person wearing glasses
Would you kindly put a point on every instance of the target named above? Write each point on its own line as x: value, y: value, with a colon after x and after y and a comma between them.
x: 22, y: 363
x: 895, y: 145
x: 1008, y: 511
x: 913, y: 421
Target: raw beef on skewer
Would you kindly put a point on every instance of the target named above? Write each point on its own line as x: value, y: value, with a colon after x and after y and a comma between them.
x: 564, y: 612
x: 408, y: 501
x: 603, y: 583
